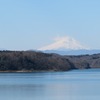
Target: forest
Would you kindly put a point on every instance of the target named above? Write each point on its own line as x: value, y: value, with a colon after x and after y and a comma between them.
x: 31, y: 61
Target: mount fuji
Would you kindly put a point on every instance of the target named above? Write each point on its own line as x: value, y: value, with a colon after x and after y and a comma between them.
x: 67, y: 46
x: 64, y: 43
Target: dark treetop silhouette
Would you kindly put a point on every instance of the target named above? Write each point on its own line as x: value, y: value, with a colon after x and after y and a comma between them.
x: 30, y: 61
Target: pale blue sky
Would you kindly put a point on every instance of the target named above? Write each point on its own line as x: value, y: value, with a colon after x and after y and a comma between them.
x: 31, y: 24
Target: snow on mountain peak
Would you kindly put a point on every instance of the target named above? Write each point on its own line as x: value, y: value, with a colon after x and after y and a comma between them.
x: 62, y: 43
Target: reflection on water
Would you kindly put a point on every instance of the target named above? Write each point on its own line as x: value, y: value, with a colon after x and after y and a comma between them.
x: 72, y: 85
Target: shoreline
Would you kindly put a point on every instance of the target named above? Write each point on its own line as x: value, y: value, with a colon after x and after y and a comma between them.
x: 15, y: 71
x: 32, y: 71
x: 27, y: 71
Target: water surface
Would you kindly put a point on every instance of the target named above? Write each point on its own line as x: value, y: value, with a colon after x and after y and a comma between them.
x: 71, y: 85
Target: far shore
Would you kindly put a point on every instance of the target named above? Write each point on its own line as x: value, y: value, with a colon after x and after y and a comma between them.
x: 26, y: 71
x: 34, y: 71
x: 30, y: 71
x: 20, y: 71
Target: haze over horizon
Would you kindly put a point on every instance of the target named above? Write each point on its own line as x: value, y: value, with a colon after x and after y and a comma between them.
x: 34, y: 24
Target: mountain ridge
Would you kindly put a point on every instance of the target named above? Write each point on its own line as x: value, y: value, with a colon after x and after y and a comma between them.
x: 74, y: 52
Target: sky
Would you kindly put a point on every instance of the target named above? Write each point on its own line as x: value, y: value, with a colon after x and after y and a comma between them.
x: 32, y: 24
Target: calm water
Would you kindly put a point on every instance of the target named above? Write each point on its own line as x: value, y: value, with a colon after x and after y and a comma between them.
x: 72, y: 85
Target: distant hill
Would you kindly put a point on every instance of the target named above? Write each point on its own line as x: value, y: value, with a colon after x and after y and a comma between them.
x: 30, y: 61
x: 73, y: 52
x: 27, y: 61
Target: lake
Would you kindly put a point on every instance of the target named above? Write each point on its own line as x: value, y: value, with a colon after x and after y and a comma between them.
x: 71, y: 85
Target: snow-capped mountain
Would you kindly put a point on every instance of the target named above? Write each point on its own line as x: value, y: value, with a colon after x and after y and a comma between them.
x: 67, y: 46
x: 64, y: 43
